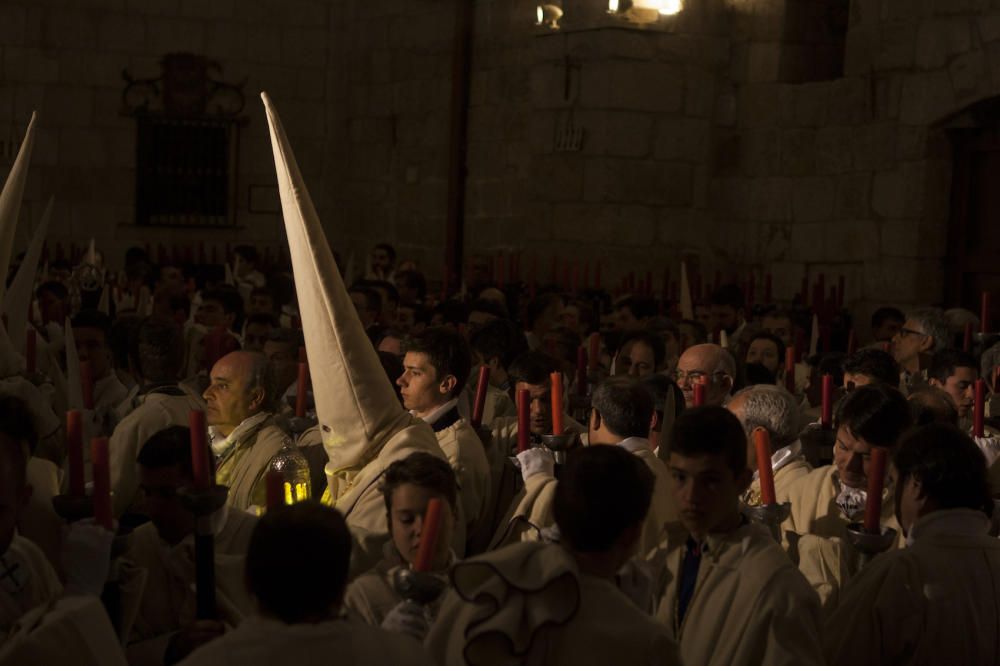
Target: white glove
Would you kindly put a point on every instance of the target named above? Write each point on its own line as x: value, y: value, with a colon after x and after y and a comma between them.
x: 990, y: 446
x: 410, y: 618
x: 86, y: 557
x: 536, y: 461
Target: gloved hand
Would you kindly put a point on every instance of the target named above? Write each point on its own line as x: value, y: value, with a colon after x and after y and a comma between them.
x: 990, y: 446
x: 410, y: 618
x: 86, y: 557
x: 536, y: 461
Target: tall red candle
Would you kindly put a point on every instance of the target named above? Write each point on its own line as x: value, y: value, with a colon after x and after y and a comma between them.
x: 556, y: 391
x: 523, y: 419
x: 274, y: 489
x: 199, y: 450
x: 765, y: 472
x: 101, y: 472
x: 30, y: 349
x: 979, y: 409
x: 87, y: 384
x: 826, y: 414
x: 699, y: 394
x: 301, y: 388
x: 967, y: 338
x: 876, y: 478
x: 790, y: 369
x: 429, y: 531
x: 480, y: 403
x: 581, y: 370
x: 984, y: 313
x: 74, y: 448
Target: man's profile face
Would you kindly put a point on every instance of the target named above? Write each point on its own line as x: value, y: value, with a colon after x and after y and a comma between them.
x: 380, y: 259
x: 961, y: 388
x: 419, y: 385
x: 726, y: 317
x: 91, y: 346
x: 228, y: 401
x: 909, y: 341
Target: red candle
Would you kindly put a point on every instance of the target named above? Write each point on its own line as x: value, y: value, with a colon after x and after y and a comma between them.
x: 594, y: 354
x: 765, y: 473
x: 826, y: 418
x: 87, y: 384
x: 523, y: 419
x: 300, y: 389
x: 101, y: 468
x: 480, y: 403
x: 876, y: 477
x: 699, y: 395
x: 429, y: 531
x: 74, y: 448
x: 979, y: 409
x: 302, y: 355
x: 199, y: 450
x: 581, y: 370
x: 556, y: 391
x: 790, y: 369
x: 984, y: 313
x: 30, y: 346
x: 274, y: 485
x: 967, y: 339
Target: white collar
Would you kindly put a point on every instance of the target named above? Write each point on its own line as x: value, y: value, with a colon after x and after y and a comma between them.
x: 221, y: 444
x: 635, y: 445
x: 783, y: 457
x: 951, y: 523
x: 438, y: 412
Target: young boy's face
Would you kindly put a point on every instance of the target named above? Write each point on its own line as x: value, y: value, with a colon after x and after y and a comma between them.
x: 406, y: 522
x: 14, y: 494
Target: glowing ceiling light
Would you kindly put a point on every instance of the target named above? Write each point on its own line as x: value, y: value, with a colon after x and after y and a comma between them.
x: 670, y: 7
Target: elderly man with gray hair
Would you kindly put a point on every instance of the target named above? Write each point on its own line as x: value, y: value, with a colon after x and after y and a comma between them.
x: 924, y: 332
x: 774, y: 409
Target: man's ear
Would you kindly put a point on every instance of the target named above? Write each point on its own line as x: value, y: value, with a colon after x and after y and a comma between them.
x: 448, y: 384
x: 934, y: 381
x: 595, y: 420
x: 656, y: 422
x: 256, y: 398
x: 927, y: 343
x: 727, y: 381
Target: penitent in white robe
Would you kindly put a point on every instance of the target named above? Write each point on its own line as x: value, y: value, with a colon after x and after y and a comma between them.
x: 27, y: 581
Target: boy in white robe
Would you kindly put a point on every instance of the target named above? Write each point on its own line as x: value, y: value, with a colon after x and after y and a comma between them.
x: 933, y: 602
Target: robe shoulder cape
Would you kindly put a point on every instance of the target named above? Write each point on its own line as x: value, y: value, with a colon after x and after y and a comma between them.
x: 750, y: 604
x: 72, y: 631
x: 783, y: 480
x: 27, y: 581
x: 467, y: 456
x: 243, y: 468
x: 934, y: 602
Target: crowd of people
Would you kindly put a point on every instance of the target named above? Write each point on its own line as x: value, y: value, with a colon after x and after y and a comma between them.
x: 498, y: 472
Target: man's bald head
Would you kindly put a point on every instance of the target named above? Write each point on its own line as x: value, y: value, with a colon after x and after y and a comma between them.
x: 706, y: 364
x: 241, y: 386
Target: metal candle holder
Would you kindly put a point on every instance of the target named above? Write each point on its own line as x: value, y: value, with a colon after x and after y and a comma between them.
x: 770, y: 515
x: 203, y: 502
x: 559, y: 444
x: 869, y: 545
x: 419, y: 587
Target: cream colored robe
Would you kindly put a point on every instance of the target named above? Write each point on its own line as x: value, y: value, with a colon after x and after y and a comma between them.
x: 815, y: 534
x: 263, y: 642
x: 27, y: 580
x: 498, y: 404
x: 155, y: 412
x: 168, y: 600
x: 243, y: 466
x: 750, y: 604
x: 529, y: 604
x: 934, y: 602
x: 72, y: 631
x: 783, y: 480
x: 371, y: 596
x: 467, y: 457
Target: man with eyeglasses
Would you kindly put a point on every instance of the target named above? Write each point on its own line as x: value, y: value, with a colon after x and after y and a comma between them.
x: 924, y: 332
x: 709, y: 365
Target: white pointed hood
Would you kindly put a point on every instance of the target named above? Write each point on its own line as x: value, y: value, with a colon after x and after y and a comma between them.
x: 20, y: 296
x: 356, y: 405
x: 10, y: 198
x: 686, y: 305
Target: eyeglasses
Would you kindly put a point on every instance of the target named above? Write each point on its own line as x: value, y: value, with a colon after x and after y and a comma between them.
x: 903, y: 332
x: 695, y: 376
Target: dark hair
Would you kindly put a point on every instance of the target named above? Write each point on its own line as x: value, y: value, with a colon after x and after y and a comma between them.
x: 874, y: 363
x: 57, y: 289
x: 755, y: 374
x: 452, y: 312
x: 654, y: 342
x: 929, y: 404
x: 537, y: 307
x: 660, y: 387
x: 424, y: 470
x: 948, y: 465
x: 876, y: 413
x: 489, y: 307
x: 413, y: 280
x: 500, y: 338
x: 625, y: 406
x: 17, y: 423
x: 710, y: 431
x: 779, y: 344
x: 226, y: 296
x: 168, y: 448
x: 728, y: 294
x: 157, y: 350
x: 641, y: 308
x: 447, y: 352
x: 946, y: 361
x: 389, y: 250
x: 93, y: 319
x: 699, y: 331
x: 885, y: 314
x: 602, y: 491
x: 533, y: 367
x: 373, y: 299
x: 311, y: 585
